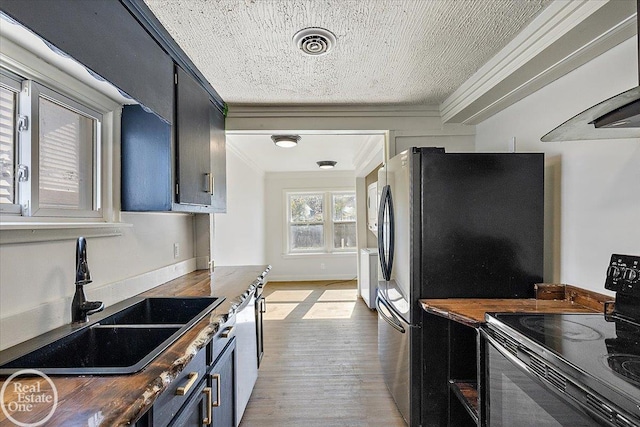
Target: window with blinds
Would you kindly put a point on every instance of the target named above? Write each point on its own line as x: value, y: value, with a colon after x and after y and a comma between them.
x: 64, y: 135
x: 8, y: 105
x: 49, y: 152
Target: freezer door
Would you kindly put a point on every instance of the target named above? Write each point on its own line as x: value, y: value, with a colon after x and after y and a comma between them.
x: 393, y: 351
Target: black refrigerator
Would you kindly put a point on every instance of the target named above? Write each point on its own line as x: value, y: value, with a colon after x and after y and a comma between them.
x: 450, y: 225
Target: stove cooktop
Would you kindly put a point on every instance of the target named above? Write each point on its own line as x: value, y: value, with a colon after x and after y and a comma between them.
x: 606, y: 354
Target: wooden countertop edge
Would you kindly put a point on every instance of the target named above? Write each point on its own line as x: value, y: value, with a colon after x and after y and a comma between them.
x: 551, y: 298
x: 156, y: 377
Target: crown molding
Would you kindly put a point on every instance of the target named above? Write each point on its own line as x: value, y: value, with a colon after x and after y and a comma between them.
x: 370, y: 155
x: 246, y: 159
x: 563, y: 37
x: 245, y: 111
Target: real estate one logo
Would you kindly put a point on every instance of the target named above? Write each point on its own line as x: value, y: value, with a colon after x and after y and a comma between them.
x: 28, y: 398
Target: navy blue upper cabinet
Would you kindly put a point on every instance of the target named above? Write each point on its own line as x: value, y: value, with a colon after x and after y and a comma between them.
x: 148, y: 182
x: 200, y: 147
x: 146, y: 161
x: 106, y: 38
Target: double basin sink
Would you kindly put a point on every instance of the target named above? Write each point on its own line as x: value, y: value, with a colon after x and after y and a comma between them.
x: 124, y: 340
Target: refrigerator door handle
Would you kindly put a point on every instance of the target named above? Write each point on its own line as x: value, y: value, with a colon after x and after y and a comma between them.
x: 386, y: 233
x: 391, y: 318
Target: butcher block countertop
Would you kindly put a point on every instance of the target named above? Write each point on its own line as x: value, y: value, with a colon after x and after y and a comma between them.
x: 117, y: 400
x: 550, y: 298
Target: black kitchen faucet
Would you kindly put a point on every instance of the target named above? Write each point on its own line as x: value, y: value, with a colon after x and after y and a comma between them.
x: 80, y: 307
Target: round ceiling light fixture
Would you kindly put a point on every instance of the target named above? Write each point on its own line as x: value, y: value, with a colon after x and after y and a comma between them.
x: 314, y: 41
x: 285, y: 141
x: 326, y: 164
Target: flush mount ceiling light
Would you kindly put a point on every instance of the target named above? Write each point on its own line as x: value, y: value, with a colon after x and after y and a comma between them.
x: 326, y: 164
x: 285, y: 141
x: 314, y: 41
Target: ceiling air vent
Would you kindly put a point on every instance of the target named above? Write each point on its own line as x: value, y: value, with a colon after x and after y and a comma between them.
x: 314, y: 41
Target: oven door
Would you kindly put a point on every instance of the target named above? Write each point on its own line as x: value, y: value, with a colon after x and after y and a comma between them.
x: 515, y: 397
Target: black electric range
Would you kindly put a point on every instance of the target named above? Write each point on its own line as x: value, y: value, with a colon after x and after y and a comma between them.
x: 590, y: 360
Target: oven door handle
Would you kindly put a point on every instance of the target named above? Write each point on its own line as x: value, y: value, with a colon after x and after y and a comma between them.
x: 391, y: 319
x: 507, y: 354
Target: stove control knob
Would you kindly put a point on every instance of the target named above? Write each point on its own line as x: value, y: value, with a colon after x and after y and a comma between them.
x: 613, y: 271
x: 630, y: 274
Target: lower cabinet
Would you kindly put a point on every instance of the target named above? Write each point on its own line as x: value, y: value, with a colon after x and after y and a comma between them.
x: 197, y: 411
x: 214, y: 401
x: 204, y: 393
x: 222, y: 378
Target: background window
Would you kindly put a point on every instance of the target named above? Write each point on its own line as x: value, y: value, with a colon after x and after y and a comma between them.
x: 306, y: 223
x: 312, y: 227
x: 344, y: 220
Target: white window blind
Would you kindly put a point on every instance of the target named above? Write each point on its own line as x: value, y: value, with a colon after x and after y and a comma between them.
x: 62, y: 134
x: 8, y: 103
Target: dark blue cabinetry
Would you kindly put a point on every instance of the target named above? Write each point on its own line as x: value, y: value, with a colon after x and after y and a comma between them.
x: 106, y: 38
x: 146, y: 161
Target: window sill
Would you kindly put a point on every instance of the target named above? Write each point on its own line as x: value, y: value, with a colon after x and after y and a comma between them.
x: 29, y: 232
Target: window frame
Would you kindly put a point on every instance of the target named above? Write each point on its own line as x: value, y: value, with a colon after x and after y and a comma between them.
x: 90, y: 206
x: 328, y: 223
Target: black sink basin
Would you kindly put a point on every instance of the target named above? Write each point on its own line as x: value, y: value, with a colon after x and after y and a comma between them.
x: 129, y: 336
x: 160, y: 311
x: 97, y: 350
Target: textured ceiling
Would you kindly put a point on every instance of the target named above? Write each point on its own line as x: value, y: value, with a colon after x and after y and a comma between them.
x: 387, y: 51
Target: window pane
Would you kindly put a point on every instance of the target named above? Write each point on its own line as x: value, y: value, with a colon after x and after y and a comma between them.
x: 306, y: 236
x: 344, y: 207
x: 65, y: 136
x: 7, y: 145
x: 306, y: 207
x: 344, y: 235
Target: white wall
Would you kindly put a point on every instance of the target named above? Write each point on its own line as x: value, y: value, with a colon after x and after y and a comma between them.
x: 303, y: 266
x: 240, y: 233
x: 595, y: 184
x: 37, y: 279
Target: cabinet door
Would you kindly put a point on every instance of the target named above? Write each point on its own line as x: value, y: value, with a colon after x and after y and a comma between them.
x: 223, y: 384
x: 218, y: 159
x: 146, y: 161
x: 196, y: 412
x: 192, y: 141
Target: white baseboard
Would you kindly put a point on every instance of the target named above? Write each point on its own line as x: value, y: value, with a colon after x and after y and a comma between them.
x: 20, y: 327
x: 298, y: 278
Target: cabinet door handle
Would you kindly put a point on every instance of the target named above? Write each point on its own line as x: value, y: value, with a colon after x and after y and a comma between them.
x: 227, y: 332
x: 182, y: 390
x: 216, y: 377
x: 263, y: 305
x: 209, y: 419
x: 209, y: 183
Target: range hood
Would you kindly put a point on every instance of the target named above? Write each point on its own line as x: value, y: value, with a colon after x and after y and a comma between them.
x: 617, y: 117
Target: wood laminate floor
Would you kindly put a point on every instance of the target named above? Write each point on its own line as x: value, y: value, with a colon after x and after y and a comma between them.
x: 320, y: 366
